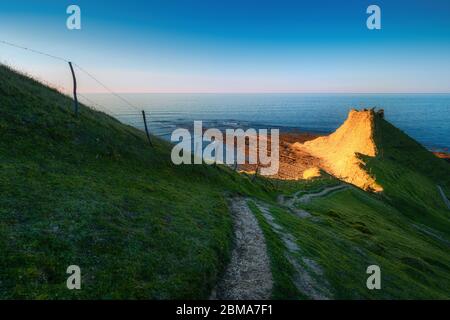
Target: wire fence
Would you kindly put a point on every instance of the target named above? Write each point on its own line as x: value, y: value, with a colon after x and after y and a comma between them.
x: 71, y: 77
x: 126, y: 111
x: 73, y: 80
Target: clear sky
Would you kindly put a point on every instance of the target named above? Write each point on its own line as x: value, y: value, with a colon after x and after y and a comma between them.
x: 236, y: 46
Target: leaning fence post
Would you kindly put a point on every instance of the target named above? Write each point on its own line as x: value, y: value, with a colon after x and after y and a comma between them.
x: 215, y: 153
x: 146, y: 128
x: 75, y: 98
x: 256, y: 172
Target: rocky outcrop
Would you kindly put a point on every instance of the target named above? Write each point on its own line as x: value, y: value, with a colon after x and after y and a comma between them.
x: 341, y: 151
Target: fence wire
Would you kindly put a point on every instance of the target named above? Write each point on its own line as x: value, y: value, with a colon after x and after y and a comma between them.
x: 132, y: 111
x: 134, y: 117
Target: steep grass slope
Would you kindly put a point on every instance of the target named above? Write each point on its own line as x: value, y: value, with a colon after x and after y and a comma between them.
x: 348, y: 231
x: 410, y: 176
x: 358, y: 229
x: 405, y: 229
x: 89, y: 191
x: 369, y: 152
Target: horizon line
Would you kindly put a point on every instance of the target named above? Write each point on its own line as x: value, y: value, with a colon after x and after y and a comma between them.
x: 257, y: 92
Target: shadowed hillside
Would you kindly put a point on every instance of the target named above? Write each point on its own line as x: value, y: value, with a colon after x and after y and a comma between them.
x: 411, y: 176
x: 404, y: 228
x: 90, y: 191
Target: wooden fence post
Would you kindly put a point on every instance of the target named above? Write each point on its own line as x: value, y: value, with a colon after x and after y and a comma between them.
x: 75, y: 98
x: 146, y: 128
x: 256, y: 172
x: 215, y: 153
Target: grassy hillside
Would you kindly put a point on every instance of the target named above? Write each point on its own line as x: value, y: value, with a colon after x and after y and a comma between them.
x: 353, y: 229
x: 410, y: 176
x: 90, y: 191
x: 405, y: 229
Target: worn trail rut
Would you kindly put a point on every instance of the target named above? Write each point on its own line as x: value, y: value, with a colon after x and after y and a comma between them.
x: 444, y: 197
x: 307, y: 271
x: 248, y: 275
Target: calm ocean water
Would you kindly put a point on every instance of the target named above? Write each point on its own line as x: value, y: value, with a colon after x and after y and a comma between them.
x: 425, y: 117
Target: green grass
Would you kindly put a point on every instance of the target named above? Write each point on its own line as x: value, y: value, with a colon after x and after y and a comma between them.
x: 289, y: 187
x: 405, y: 230
x: 90, y: 191
x: 351, y: 230
x: 356, y: 230
x: 282, y: 270
x: 410, y: 175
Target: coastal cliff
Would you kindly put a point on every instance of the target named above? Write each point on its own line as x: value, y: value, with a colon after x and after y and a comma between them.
x: 340, y: 151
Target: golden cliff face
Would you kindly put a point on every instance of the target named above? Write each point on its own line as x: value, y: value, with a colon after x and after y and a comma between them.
x: 339, y: 150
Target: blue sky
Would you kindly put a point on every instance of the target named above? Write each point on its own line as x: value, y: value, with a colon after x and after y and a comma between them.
x: 236, y: 46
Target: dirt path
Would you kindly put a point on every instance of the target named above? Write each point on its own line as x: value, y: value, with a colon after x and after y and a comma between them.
x: 304, y: 197
x: 248, y: 275
x: 308, y: 196
x: 290, y: 203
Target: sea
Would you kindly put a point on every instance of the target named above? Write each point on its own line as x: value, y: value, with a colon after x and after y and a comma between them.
x: 425, y: 117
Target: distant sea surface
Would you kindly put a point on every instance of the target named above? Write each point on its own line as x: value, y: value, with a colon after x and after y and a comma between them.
x: 425, y: 117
